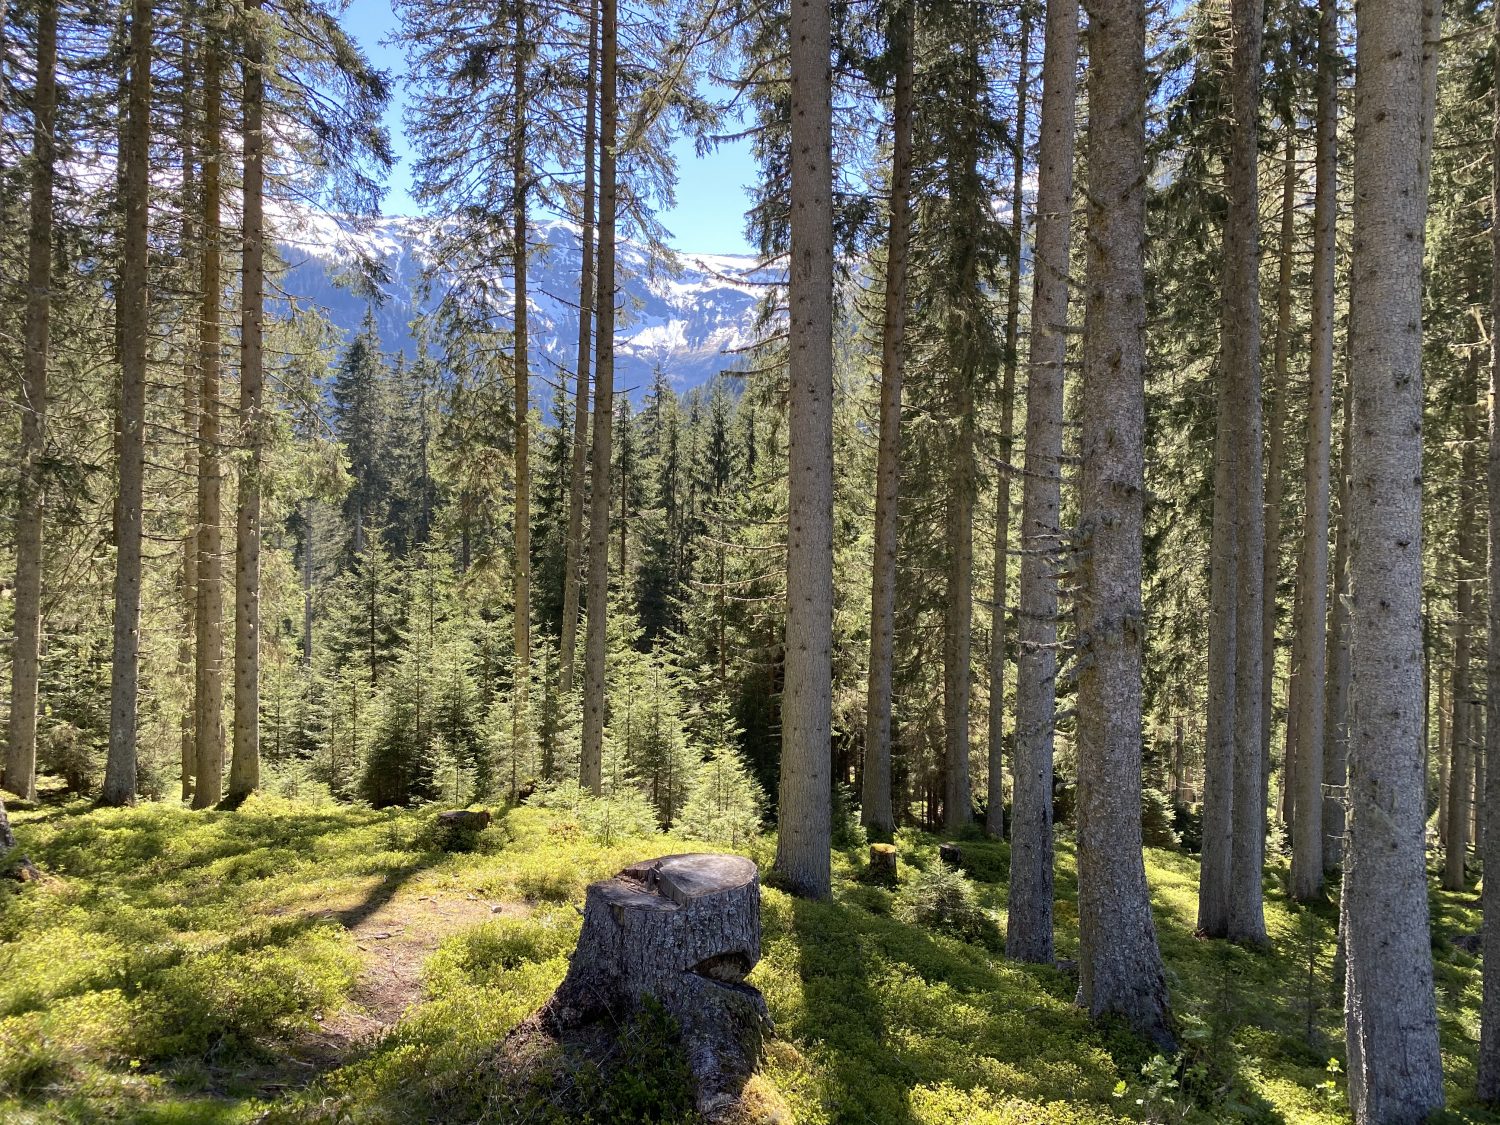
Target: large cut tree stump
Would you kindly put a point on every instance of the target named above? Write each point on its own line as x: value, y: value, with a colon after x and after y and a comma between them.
x: 684, y: 930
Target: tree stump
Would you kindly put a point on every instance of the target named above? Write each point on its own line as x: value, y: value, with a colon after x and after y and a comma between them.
x: 883, y: 863
x: 465, y: 820
x: 951, y: 855
x: 684, y: 930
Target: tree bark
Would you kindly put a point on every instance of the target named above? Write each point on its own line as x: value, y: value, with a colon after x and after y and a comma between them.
x: 244, y: 768
x: 1277, y: 395
x: 958, y: 612
x: 522, y: 379
x: 188, y: 589
x: 595, y: 639
x: 208, y: 697
x: 1338, y: 665
x: 1307, y: 694
x: 1395, y: 1068
x: 995, y: 806
x: 875, y: 810
x: 133, y: 328
x: 578, y: 468
x: 1029, y: 931
x: 1120, y: 967
x: 683, y: 930
x: 802, y: 856
x: 31, y: 485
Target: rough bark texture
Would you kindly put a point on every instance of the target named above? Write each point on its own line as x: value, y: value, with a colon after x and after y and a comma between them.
x: 595, y: 638
x: 130, y: 312
x: 1337, y: 665
x: 1489, y: 1011
x: 1241, y: 359
x: 1305, y: 743
x: 958, y: 612
x: 244, y: 767
x: 802, y: 857
x: 994, y: 820
x: 1029, y: 931
x: 188, y: 579
x: 875, y: 811
x: 685, y: 931
x: 1394, y: 1065
x: 1119, y: 965
x: 577, y: 470
x: 31, y: 485
x: 208, y: 693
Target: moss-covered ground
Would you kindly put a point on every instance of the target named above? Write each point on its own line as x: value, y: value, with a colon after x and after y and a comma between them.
x: 291, y: 962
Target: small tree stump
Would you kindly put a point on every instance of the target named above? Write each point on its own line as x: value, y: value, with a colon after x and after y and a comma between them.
x: 883, y: 863
x: 684, y: 930
x: 951, y: 855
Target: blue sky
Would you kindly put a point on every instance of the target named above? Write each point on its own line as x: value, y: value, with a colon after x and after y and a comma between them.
x: 708, y: 218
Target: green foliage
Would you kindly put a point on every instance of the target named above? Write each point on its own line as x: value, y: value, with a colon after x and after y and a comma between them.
x: 1158, y: 822
x: 944, y: 901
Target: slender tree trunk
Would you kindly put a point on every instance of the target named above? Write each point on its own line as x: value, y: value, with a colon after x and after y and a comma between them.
x: 875, y: 811
x: 522, y: 408
x: 577, y: 470
x: 244, y: 768
x: 1277, y: 395
x: 1307, y: 695
x: 7, y: 837
x: 31, y: 489
x: 958, y: 610
x: 1395, y: 1068
x: 1029, y: 932
x: 133, y: 329
x: 1241, y: 338
x: 1461, y: 771
x: 802, y: 856
x: 188, y: 589
x: 1489, y: 1012
x: 208, y: 706
x: 591, y: 762
x: 995, y: 810
x: 1119, y: 965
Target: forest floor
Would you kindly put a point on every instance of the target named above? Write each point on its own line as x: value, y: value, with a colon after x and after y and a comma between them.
x: 296, y: 962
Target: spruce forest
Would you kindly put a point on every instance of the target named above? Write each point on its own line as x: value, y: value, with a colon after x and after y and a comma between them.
x: 1046, y: 673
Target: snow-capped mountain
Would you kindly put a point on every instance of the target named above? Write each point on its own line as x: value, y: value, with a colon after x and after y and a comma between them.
x: 691, y: 319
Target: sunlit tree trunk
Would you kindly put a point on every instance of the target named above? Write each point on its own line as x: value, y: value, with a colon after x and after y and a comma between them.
x: 1119, y: 964
x: 802, y: 856
x: 520, y: 174
x: 244, y: 767
x: 1461, y: 771
x: 1029, y: 931
x: 1395, y: 1068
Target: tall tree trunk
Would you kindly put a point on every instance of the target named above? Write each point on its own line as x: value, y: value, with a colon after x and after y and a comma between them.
x: 1305, y: 745
x: 244, y: 768
x: 802, y: 856
x: 133, y: 331
x: 31, y: 485
x: 188, y: 589
x: 1443, y: 759
x: 994, y: 820
x: 1489, y: 1011
x: 1277, y: 395
x: 1029, y: 932
x: 1241, y: 339
x: 1119, y: 965
x: 875, y: 811
x: 958, y: 610
x: 1338, y: 666
x: 208, y: 699
x: 307, y: 582
x: 522, y: 408
x: 578, y: 468
x: 1395, y: 1067
x: 592, y: 758
x: 1461, y: 772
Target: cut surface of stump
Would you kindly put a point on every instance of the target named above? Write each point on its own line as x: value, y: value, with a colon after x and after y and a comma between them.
x: 683, y: 930
x: 883, y: 863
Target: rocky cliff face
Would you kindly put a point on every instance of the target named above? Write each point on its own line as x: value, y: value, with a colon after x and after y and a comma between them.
x: 690, y: 319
